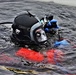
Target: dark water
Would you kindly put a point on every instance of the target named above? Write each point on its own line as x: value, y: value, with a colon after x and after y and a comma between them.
x: 66, y: 16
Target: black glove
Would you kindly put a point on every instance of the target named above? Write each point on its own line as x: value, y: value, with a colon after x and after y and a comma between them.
x: 52, y: 31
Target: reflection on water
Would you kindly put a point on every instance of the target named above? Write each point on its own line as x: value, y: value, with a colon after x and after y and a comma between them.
x: 64, y: 2
x: 66, y: 17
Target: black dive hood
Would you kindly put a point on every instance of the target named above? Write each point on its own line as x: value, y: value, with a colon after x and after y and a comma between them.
x: 24, y: 26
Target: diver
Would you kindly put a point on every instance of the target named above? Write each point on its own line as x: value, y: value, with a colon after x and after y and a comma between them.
x: 28, y: 31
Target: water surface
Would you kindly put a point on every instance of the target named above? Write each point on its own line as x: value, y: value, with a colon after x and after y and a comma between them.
x: 66, y: 16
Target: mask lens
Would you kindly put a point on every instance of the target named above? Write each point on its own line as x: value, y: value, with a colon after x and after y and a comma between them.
x: 38, y: 34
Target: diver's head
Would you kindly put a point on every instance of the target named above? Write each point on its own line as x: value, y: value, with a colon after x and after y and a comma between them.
x: 30, y: 30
